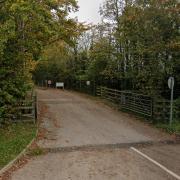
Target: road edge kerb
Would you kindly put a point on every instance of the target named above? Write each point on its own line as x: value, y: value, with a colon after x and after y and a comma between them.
x: 11, y: 163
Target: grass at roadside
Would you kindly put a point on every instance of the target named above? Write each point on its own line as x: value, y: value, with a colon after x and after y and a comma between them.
x: 13, y: 139
x: 174, y: 128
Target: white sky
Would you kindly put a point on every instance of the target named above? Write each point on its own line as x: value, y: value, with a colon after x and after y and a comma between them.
x: 88, y: 11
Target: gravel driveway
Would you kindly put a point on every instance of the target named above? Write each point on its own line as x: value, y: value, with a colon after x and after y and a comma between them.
x: 87, y: 140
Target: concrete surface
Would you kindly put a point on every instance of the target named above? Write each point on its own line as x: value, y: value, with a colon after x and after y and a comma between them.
x: 71, y: 120
x: 103, y: 165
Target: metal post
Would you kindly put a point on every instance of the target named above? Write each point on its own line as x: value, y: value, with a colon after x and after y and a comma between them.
x: 171, y: 111
x: 80, y: 85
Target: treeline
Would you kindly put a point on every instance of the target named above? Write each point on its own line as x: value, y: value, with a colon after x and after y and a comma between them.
x: 136, y: 47
x: 26, y: 28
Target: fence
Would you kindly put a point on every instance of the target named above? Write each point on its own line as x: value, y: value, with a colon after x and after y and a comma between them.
x: 156, y: 108
x: 138, y: 103
x: 27, y: 109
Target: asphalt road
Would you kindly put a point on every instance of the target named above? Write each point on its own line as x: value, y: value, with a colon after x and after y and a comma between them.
x: 87, y: 140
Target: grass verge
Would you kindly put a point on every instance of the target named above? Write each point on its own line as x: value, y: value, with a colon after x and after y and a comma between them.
x: 173, y: 129
x: 13, y: 139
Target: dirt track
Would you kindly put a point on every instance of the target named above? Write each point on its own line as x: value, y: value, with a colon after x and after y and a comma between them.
x: 88, y: 140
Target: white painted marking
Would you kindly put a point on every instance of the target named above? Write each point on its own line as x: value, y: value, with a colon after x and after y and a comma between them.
x: 156, y: 163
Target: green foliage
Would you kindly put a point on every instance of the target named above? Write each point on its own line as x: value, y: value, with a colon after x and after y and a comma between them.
x: 26, y: 28
x: 177, y: 110
x: 146, y: 42
x: 99, y: 59
x: 56, y: 64
x: 174, y: 128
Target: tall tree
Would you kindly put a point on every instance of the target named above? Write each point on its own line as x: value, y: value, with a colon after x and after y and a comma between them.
x: 26, y: 27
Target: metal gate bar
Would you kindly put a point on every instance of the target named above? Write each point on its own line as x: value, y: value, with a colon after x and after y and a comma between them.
x: 138, y: 103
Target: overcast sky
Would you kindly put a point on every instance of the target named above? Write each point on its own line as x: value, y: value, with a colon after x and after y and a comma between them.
x: 88, y: 11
